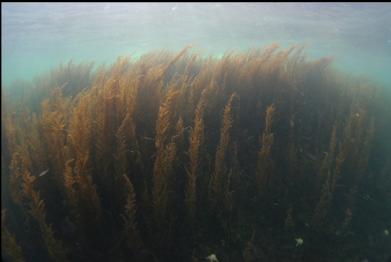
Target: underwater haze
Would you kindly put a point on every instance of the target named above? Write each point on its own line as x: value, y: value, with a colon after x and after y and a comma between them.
x: 38, y: 36
x: 219, y: 132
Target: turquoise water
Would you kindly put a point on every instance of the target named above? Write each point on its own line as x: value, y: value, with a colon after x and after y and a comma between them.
x: 39, y: 36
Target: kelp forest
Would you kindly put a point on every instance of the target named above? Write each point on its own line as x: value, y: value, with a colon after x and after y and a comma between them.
x: 263, y: 155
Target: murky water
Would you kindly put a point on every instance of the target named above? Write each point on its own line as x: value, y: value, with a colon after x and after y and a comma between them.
x: 36, y: 37
x: 278, y: 151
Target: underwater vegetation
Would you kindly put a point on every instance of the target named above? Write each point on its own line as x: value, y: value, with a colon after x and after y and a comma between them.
x: 256, y: 156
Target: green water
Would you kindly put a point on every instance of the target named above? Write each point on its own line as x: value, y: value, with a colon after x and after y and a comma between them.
x: 38, y: 36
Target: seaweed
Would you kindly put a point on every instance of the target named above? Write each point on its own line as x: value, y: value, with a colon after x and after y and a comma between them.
x: 179, y: 156
x: 11, y: 248
x: 264, y: 166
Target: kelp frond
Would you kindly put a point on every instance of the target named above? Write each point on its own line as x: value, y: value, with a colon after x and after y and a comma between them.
x: 129, y: 215
x: 9, y: 245
x: 217, y: 186
x: 196, y: 141
x: 264, y: 171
